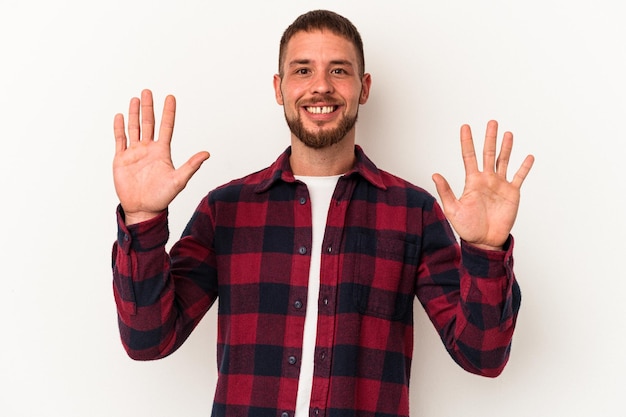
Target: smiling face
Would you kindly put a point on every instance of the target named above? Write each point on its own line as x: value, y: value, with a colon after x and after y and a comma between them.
x: 320, y: 88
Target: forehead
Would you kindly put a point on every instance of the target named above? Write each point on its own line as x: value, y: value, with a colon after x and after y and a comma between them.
x: 322, y: 46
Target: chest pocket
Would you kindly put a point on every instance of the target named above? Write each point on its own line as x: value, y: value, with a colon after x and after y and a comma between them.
x: 384, y: 276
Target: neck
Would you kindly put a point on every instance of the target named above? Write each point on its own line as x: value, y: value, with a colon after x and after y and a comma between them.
x: 332, y: 160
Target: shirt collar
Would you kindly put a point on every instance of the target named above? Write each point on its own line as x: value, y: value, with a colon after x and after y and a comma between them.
x: 281, y: 170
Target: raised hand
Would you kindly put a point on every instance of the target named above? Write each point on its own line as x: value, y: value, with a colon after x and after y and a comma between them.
x: 145, y: 179
x: 486, y: 211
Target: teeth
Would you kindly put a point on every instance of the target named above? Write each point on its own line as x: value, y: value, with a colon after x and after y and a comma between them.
x: 321, y: 110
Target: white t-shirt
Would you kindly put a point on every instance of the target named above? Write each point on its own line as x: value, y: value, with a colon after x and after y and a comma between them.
x: 321, y: 190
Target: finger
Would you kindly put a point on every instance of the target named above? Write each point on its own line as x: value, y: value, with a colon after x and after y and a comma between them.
x: 119, y: 133
x: 147, y: 115
x: 443, y: 189
x: 523, y: 171
x: 489, y: 148
x: 502, y: 164
x: 186, y: 171
x: 133, y: 121
x: 467, y: 150
x: 166, y: 129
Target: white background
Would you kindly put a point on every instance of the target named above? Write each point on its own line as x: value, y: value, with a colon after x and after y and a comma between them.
x: 553, y: 72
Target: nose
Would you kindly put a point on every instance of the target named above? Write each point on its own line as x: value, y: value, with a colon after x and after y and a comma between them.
x: 321, y: 84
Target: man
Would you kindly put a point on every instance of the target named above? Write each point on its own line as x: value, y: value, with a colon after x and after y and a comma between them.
x: 315, y: 260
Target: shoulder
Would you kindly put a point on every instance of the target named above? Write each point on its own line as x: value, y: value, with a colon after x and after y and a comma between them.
x: 233, y: 190
x: 400, y: 189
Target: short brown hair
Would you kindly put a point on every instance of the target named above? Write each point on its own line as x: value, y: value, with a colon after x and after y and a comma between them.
x: 322, y: 20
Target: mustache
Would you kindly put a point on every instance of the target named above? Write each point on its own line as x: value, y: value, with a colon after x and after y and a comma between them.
x: 322, y: 99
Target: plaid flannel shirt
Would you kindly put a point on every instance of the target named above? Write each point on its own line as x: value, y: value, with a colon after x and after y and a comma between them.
x: 248, y: 245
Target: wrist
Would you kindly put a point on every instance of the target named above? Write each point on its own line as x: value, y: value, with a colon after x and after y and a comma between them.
x: 139, y: 217
x: 485, y: 247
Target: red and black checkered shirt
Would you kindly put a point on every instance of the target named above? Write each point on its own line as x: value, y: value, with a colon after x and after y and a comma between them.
x: 248, y: 245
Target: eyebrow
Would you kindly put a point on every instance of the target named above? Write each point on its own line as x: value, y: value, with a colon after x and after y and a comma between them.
x: 308, y: 61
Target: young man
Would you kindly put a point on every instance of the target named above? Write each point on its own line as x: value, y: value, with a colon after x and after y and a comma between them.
x: 315, y: 260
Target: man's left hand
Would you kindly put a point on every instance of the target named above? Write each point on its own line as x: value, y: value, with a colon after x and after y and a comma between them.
x: 486, y: 211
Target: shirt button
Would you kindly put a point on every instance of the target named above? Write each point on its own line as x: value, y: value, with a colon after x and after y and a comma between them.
x: 323, y: 355
x: 284, y: 414
x: 302, y: 200
x: 302, y: 250
x: 298, y: 304
x: 329, y: 249
x: 325, y: 301
x: 292, y: 360
x: 316, y: 411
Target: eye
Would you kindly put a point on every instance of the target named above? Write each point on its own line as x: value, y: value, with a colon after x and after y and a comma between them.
x: 302, y: 71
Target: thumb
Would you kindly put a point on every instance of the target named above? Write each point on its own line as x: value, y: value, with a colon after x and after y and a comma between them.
x: 192, y: 165
x: 443, y: 189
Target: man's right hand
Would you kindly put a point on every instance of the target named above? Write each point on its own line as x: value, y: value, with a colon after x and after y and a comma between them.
x: 145, y: 179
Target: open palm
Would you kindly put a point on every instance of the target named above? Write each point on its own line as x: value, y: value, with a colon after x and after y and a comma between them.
x: 485, y: 213
x: 145, y: 178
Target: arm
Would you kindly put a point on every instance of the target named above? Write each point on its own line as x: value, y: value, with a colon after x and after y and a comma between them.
x: 470, y: 293
x: 153, y: 298
x: 161, y: 298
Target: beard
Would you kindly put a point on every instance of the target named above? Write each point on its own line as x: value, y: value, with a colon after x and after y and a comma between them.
x: 321, y: 138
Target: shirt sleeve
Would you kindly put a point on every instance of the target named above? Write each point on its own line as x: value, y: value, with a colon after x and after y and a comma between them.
x: 471, y: 296
x: 160, y: 298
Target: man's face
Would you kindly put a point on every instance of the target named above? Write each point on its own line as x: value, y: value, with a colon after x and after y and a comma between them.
x: 321, y: 87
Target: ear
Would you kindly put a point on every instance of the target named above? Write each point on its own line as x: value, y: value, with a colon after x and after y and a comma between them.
x: 366, y: 83
x: 277, y: 93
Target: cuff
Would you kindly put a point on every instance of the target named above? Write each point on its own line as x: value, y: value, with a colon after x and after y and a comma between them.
x: 488, y: 263
x: 142, y: 236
